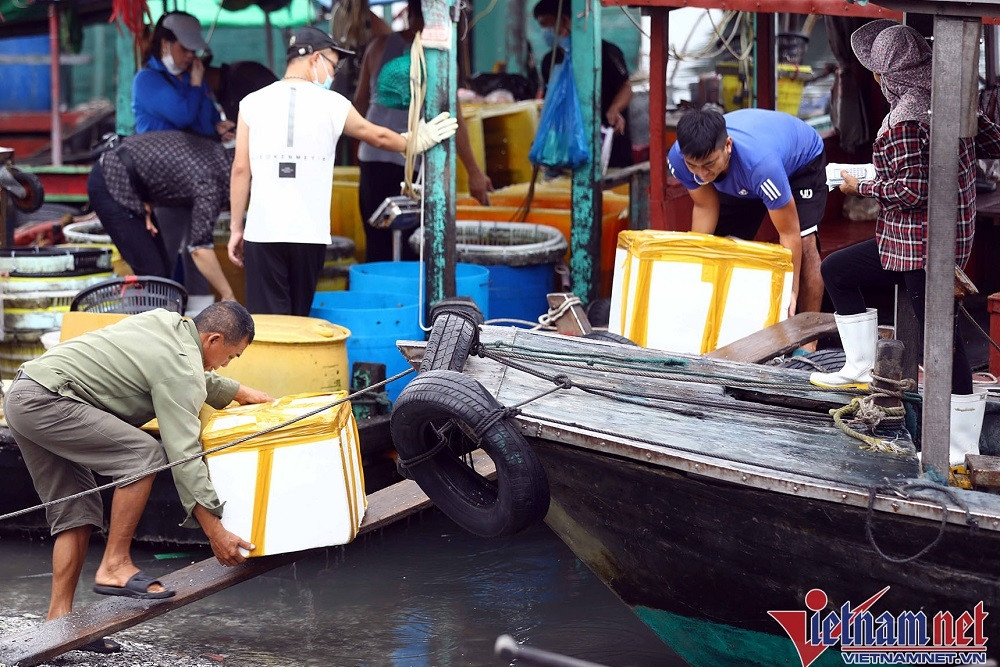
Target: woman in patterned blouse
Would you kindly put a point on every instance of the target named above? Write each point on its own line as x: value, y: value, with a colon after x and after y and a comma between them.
x: 900, y: 59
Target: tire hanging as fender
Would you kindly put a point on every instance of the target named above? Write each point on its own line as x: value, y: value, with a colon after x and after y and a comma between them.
x: 442, y: 415
x: 451, y: 339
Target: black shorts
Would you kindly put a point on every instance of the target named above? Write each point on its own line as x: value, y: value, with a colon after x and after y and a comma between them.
x: 741, y: 216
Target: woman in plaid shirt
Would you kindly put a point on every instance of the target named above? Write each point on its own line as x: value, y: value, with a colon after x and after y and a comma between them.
x: 900, y: 59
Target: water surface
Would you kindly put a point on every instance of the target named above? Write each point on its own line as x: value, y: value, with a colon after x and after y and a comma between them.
x: 422, y: 593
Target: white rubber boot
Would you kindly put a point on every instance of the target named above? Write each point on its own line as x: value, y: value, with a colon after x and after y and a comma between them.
x: 967, y: 411
x: 858, y: 335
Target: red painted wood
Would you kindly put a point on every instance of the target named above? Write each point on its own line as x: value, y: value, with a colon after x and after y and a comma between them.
x: 994, y: 308
x: 658, y: 147
x: 25, y: 145
x: 35, y: 121
x: 765, y: 51
x: 64, y: 184
x: 828, y: 7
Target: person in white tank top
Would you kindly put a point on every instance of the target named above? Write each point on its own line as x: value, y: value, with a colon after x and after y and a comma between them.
x: 286, y: 140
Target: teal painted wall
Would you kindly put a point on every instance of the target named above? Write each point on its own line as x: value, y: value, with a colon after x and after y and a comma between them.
x: 492, y: 31
x: 96, y: 78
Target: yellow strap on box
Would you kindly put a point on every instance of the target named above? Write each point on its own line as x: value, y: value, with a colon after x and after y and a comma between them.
x: 719, y: 256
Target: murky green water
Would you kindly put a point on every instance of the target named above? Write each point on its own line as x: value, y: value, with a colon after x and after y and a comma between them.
x: 420, y: 594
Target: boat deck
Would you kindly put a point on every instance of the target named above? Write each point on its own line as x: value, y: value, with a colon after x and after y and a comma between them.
x: 749, y: 424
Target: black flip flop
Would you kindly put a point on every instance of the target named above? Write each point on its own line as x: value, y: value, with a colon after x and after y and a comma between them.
x: 136, y: 587
x: 101, y: 645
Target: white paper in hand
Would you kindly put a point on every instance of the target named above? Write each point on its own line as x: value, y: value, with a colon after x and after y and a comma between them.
x: 862, y: 172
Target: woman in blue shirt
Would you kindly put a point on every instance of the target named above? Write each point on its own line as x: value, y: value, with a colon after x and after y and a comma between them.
x: 170, y: 92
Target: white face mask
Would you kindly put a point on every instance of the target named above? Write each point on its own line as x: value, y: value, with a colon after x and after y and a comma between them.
x: 328, y: 81
x: 168, y: 62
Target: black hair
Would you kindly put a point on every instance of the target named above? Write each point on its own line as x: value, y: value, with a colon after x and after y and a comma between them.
x: 415, y: 14
x: 701, y: 132
x: 160, y: 35
x: 228, y: 318
x: 550, y: 8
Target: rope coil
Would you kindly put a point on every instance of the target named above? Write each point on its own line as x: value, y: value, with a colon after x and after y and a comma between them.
x: 418, y: 89
x: 553, y: 314
x: 867, y: 411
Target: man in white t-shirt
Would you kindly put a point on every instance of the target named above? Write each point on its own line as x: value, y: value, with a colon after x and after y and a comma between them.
x: 286, y: 139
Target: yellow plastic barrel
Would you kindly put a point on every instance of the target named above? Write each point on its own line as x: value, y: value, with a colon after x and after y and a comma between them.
x: 293, y: 355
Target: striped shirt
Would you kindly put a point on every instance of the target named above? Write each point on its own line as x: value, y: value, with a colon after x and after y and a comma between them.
x: 902, y: 162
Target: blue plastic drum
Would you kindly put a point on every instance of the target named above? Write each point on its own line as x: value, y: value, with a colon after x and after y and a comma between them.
x: 376, y: 321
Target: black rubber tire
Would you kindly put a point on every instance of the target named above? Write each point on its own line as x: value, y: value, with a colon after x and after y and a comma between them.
x: 436, y: 399
x: 460, y: 305
x: 599, y: 312
x: 449, y: 343
x: 829, y: 360
x: 35, y: 195
x: 600, y: 334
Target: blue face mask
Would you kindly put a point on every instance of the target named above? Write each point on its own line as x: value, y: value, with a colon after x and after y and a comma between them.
x: 328, y: 81
x: 549, y: 36
x: 564, y: 42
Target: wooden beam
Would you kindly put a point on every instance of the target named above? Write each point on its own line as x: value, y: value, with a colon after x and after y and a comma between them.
x: 440, y: 47
x: 908, y: 331
x: 53, y: 638
x: 953, y: 115
x: 658, y: 57
x: 766, y: 65
x: 778, y: 339
x: 585, y: 228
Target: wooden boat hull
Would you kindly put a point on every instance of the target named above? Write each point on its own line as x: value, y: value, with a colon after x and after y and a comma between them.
x: 708, y: 493
x: 718, y: 553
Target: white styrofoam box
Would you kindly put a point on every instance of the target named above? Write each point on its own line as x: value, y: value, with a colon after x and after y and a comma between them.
x: 693, y: 293
x: 299, y: 487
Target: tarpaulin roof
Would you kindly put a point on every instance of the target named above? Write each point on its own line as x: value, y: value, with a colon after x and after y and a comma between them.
x: 21, y: 17
x: 297, y: 12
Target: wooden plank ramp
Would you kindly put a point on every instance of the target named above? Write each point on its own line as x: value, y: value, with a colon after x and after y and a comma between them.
x: 778, y: 339
x: 53, y: 638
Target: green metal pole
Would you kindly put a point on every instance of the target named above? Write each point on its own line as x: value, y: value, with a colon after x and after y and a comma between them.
x: 585, y: 236
x: 439, y: 39
x: 125, y: 69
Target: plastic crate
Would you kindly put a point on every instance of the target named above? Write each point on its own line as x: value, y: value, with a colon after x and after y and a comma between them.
x: 131, y: 295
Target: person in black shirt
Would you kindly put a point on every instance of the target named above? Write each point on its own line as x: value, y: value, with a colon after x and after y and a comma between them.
x: 616, y: 90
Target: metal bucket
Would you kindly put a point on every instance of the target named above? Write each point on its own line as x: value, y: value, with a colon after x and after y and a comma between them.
x: 520, y: 258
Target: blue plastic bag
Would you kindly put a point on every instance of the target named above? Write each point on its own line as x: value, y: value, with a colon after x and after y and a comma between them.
x: 560, y: 141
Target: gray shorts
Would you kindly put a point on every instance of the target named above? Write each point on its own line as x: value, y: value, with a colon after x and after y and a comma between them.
x: 64, y: 442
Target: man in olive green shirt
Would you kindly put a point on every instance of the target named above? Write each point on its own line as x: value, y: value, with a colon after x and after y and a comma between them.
x: 78, y: 409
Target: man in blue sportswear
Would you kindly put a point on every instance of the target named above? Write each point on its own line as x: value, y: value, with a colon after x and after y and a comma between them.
x: 746, y: 163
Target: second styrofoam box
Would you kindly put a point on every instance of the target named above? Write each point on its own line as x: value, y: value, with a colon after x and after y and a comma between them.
x: 689, y: 292
x: 298, y: 487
